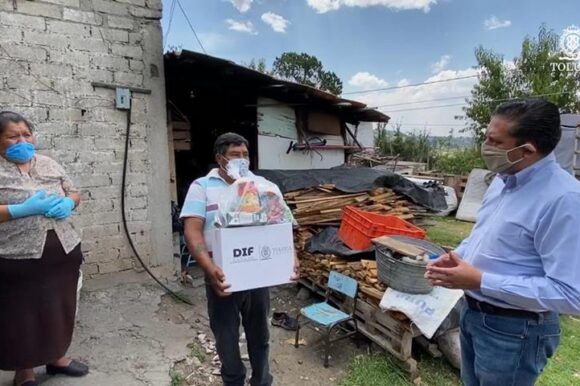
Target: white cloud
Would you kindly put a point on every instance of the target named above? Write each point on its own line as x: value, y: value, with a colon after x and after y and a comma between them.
x: 365, y: 80
x: 403, y: 82
x: 494, y: 23
x: 405, y: 105
x: 241, y: 26
x: 323, y: 6
x: 242, y: 5
x: 277, y: 22
x: 441, y: 64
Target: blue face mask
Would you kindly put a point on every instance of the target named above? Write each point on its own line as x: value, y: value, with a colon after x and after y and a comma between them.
x: 20, y: 152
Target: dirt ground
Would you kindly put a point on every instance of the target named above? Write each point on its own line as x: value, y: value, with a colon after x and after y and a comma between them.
x: 131, y: 333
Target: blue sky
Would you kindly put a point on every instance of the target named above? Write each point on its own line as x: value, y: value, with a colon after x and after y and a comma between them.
x: 374, y: 43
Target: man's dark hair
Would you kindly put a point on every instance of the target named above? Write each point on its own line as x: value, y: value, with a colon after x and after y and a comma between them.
x: 224, y: 141
x: 7, y: 117
x: 533, y: 120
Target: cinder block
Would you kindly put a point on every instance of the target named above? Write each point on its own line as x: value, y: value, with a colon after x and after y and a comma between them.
x: 23, y: 21
x: 32, y: 54
x: 140, y: 3
x: 118, y: 22
x: 147, y: 13
x: 10, y: 34
x: 97, y: 231
x: 136, y: 65
x: 110, y: 62
x: 25, y: 84
x: 113, y: 35
x: 130, y: 51
x: 51, y: 70
x: 128, y: 79
x: 51, y: 40
x: 91, y: 45
x: 76, y: 30
x: 136, y: 38
x: 110, y: 7
x: 38, y: 8
x: 93, y: 181
x: 154, y: 4
x: 68, y: 3
x: 85, y: 17
x: 48, y: 97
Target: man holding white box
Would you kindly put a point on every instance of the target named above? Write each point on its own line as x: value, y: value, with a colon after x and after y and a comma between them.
x: 227, y: 309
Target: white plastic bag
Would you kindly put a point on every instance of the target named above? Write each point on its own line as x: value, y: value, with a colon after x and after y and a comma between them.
x: 252, y: 201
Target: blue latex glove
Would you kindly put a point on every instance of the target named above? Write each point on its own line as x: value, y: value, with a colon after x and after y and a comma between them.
x: 36, y: 205
x: 62, y: 209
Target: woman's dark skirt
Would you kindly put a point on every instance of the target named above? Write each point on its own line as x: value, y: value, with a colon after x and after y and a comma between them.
x: 37, y: 306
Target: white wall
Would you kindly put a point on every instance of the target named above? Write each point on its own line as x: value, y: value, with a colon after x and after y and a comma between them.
x: 276, y: 128
x: 365, y: 134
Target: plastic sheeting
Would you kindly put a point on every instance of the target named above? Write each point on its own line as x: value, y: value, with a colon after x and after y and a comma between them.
x: 328, y: 242
x: 565, y: 149
x: 450, y: 195
x: 473, y: 196
x: 354, y: 180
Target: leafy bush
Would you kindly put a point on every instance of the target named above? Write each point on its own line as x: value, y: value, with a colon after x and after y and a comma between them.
x: 459, y: 161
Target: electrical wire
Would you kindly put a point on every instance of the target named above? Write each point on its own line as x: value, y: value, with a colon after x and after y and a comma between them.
x: 191, y: 26
x: 124, y: 216
x: 488, y: 101
x: 409, y: 85
x: 171, y: 12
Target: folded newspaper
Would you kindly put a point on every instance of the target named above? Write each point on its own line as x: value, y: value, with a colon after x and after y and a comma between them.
x: 426, y: 311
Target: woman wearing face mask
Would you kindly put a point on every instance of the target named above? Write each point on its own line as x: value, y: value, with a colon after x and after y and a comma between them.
x: 40, y: 256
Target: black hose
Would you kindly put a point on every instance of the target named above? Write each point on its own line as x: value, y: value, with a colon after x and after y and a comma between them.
x: 125, y: 226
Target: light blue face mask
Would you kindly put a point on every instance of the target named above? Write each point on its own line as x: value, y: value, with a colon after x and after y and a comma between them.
x: 20, y: 152
x: 237, y: 168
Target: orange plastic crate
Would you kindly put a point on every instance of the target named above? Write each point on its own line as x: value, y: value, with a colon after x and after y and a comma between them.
x: 358, y: 228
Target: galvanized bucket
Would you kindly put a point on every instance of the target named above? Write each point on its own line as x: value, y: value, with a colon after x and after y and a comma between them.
x: 405, y: 276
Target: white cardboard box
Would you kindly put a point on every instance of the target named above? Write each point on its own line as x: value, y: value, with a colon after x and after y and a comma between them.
x: 255, y: 257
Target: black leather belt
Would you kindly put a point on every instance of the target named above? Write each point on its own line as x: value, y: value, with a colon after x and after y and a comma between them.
x: 487, y: 308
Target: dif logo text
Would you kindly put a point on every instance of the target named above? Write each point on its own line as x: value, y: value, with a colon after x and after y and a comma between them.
x: 250, y: 253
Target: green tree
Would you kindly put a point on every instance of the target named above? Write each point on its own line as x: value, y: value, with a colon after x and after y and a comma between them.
x: 258, y: 65
x: 306, y: 69
x: 534, y: 73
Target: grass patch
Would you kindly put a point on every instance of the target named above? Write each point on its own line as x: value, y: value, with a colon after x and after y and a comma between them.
x: 380, y: 370
x: 564, y: 368
x: 449, y: 232
x: 176, y: 379
x: 197, y: 351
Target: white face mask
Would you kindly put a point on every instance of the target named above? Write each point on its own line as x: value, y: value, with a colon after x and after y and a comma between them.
x: 237, y: 168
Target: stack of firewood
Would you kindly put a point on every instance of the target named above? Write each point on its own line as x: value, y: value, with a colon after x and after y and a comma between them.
x: 316, y: 268
x: 323, y: 205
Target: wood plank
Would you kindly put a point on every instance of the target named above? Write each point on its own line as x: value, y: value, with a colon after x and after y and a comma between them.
x: 399, y: 246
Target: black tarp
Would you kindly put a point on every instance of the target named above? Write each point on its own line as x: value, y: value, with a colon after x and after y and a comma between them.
x: 328, y: 241
x: 354, y: 180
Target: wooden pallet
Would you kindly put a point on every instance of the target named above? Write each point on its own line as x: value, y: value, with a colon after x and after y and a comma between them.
x: 392, y: 335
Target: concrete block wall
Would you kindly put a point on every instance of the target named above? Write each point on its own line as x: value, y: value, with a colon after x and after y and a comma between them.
x: 51, y: 51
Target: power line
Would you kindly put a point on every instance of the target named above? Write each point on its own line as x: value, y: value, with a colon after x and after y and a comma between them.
x: 488, y: 101
x: 410, y: 85
x: 423, y: 101
x: 169, y: 25
x: 191, y: 26
x: 426, y: 108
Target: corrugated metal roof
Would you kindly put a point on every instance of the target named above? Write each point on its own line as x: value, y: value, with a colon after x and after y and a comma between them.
x: 203, y: 66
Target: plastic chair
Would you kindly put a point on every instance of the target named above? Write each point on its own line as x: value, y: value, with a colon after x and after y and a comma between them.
x: 329, y: 317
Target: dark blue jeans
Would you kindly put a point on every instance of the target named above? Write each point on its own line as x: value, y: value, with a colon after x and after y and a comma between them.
x: 251, y: 308
x: 505, y: 351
